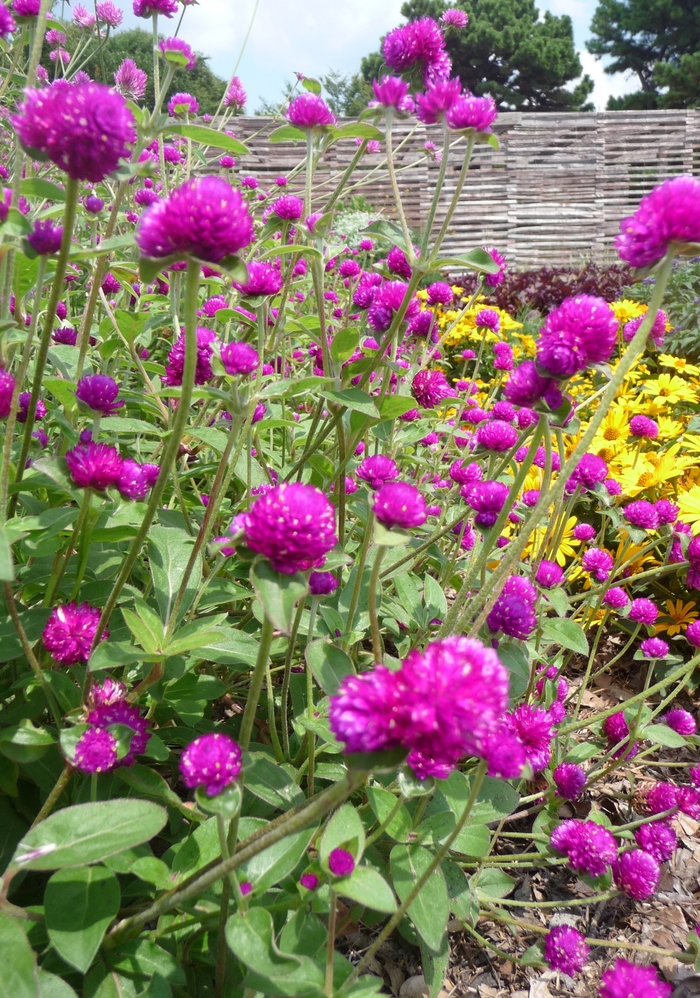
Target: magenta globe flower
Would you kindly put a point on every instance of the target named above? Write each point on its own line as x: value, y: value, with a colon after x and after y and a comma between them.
x: 85, y: 129
x: 121, y: 712
x: 430, y: 388
x: 654, y: 648
x: 533, y: 728
x: 377, y: 470
x: 658, y: 839
x: 310, y: 111
x: 7, y: 23
x: 366, y: 712
x: 439, y: 98
x: 174, y: 370
x: 7, y: 387
x: 580, y: 332
x: 130, y: 81
x: 182, y: 103
x: 497, y: 435
x: 626, y: 980
x: 322, y: 583
x: 478, y: 113
x: 681, y: 721
x: 96, y: 751
x: 569, y: 780
x: 392, y: 91
x: 420, y: 43
x: 566, y: 950
x: 70, y: 632
x: 341, y: 863
x: 205, y: 218
x: 177, y: 51
x: 590, y: 848
x: 98, y: 392
x: 669, y: 214
x: 45, y: 238
x: 263, y: 279
x: 94, y: 466
x: 398, y: 504
x: 289, y: 208
x: 212, y: 761
x: 146, y: 8
x: 136, y: 480
x: 637, y: 873
x: 293, y: 525
x: 240, y: 358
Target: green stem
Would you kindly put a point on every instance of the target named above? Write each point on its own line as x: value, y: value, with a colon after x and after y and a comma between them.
x: 330, y: 943
x: 360, y: 569
x: 31, y: 657
x: 440, y: 183
x: 289, y: 658
x: 394, y: 185
x: 170, y: 450
x: 56, y: 579
x: 256, y: 682
x: 56, y: 290
x: 458, y: 191
x: 374, y: 586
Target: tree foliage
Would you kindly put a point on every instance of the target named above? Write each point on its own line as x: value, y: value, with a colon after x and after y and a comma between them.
x: 525, y: 61
x: 137, y: 44
x: 658, y: 41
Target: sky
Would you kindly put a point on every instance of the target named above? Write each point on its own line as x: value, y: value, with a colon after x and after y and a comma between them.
x: 315, y: 36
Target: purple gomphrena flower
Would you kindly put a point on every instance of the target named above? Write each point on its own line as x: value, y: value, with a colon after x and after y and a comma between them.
x: 437, y: 101
x: 580, y: 332
x: 385, y: 302
x: 487, y: 499
x: 643, y: 426
x: 666, y: 510
x: 452, y: 694
x: 109, y: 14
x: 349, y: 268
x: 692, y: 634
x: 206, y: 339
x: 641, y: 514
x: 637, y: 873
x: 23, y: 410
x: 584, y: 532
x: 453, y: 18
x: 7, y: 387
x: 182, y: 103
x: 109, y: 692
x: 365, y: 713
x: 93, y: 205
x: 478, y: 113
x: 654, y: 648
x: 263, y: 279
x: 689, y: 802
x: 497, y: 435
x: 430, y: 388
x: 420, y: 42
x: 589, y: 847
x: 440, y: 293
x: 7, y: 23
x: 236, y: 97
x: 130, y: 81
x: 66, y: 335
x: 70, y: 631
x: 657, y: 333
x: 82, y: 17
x: 178, y: 52
x: 310, y: 111
x: 514, y: 615
x: 45, y: 238
x: 206, y: 217
x: 570, y: 780
x: 398, y: 504
x: 146, y: 8
x: 289, y: 208
x: 681, y: 721
x: 212, y: 761
x: 99, y: 392
x: 526, y: 386
x: 377, y: 470
x: 589, y: 472
x: 504, y: 753
x: 616, y: 598
x: 566, y: 950
x: 397, y: 263
x: 669, y: 214
x: 293, y: 525
x: 626, y: 980
x: 322, y: 583
x: 493, y: 280
x: 643, y: 611
x: 658, y: 839
x: 94, y: 466
x: 240, y: 358
x: 533, y: 728
x: 598, y: 563
x: 121, y: 712
x: 392, y: 91
x: 96, y: 751
x: 136, y: 480
x: 341, y: 863
x: 26, y: 8
x: 503, y: 357
x: 309, y: 880
x: 549, y: 574
x: 85, y: 129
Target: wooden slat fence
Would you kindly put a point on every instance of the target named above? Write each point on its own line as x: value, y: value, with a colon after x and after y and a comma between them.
x: 553, y: 193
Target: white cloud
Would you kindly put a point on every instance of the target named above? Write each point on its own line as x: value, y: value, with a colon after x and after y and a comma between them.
x: 605, y: 85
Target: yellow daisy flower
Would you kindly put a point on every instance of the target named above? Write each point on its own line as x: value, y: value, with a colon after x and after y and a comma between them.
x: 669, y: 388
x: 679, y: 364
x: 677, y: 617
x: 626, y: 309
x: 689, y: 505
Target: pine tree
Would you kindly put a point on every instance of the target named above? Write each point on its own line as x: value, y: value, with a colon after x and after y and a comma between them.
x: 524, y: 61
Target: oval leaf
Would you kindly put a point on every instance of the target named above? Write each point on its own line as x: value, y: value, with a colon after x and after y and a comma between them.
x: 79, y: 905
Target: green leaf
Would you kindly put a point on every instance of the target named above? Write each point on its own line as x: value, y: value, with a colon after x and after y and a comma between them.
x: 394, y: 406
x: 149, y: 783
x: 210, y: 137
x: 79, y: 904
x: 435, y: 966
x: 272, y: 865
x: 287, y: 133
x: 492, y: 883
x: 354, y: 399
x: 313, y: 86
x: 367, y: 886
x: 390, y: 537
x: 35, y: 187
x: 516, y: 662
x: 233, y: 647
x: 476, y: 259
x: 271, y: 783
x: 382, y: 803
x: 169, y: 551
x: 125, y: 424
x: 18, y: 972
x: 567, y: 633
x: 24, y: 743
x: 143, y: 958
x: 463, y: 901
x: 328, y: 664
x: 146, y: 627
x: 496, y: 799
x: 357, y: 130
x: 251, y: 938
x: 227, y: 803
x: 431, y: 909
x: 113, y: 654
x: 661, y: 734
x: 51, y: 986
x: 88, y: 833
x: 344, y: 344
x: 344, y: 831
x: 278, y: 593
x: 112, y: 245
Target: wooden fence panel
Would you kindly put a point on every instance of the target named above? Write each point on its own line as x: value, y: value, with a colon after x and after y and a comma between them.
x: 554, y: 193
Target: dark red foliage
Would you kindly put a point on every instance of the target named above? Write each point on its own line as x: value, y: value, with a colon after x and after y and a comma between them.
x: 547, y: 287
